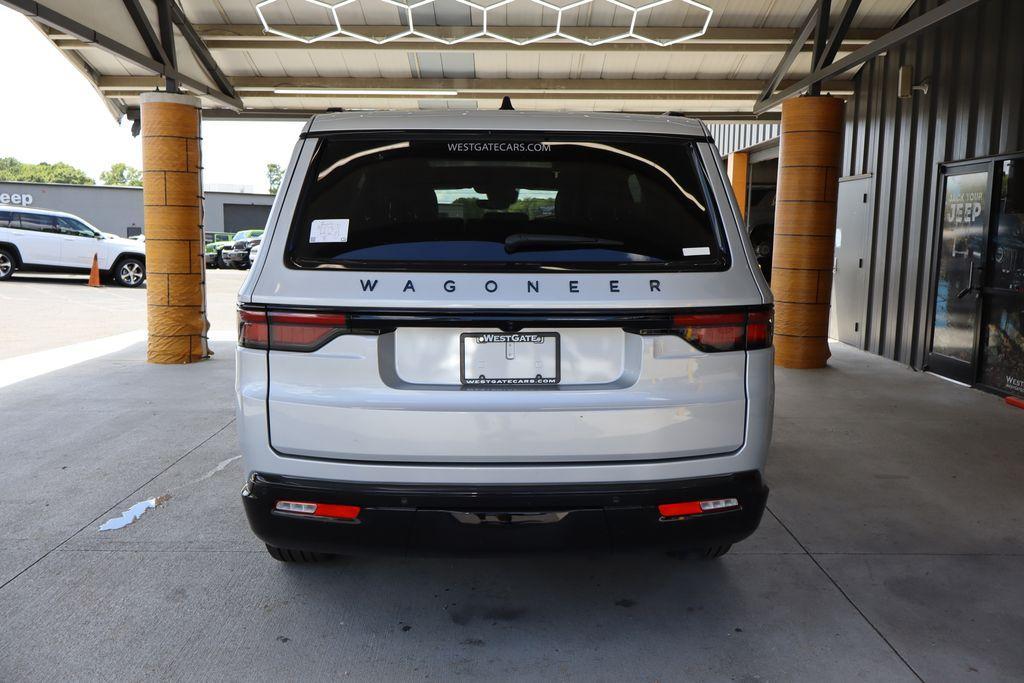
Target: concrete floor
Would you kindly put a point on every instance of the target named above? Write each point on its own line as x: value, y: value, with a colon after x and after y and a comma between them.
x: 41, y: 312
x: 892, y: 551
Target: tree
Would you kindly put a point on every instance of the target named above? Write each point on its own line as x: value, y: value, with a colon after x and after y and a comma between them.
x: 274, y: 175
x: 13, y: 170
x: 122, y: 174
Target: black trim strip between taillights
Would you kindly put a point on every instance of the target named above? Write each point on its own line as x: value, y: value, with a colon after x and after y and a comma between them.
x: 298, y: 328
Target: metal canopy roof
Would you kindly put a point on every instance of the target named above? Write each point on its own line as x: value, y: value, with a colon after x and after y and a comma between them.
x: 224, y: 55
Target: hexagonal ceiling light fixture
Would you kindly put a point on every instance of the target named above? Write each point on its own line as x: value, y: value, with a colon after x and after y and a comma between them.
x: 559, y: 7
x: 302, y: 39
x: 673, y: 41
x: 401, y: 30
x: 478, y: 7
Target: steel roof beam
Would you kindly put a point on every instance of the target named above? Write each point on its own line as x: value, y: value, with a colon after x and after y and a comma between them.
x: 890, y: 40
x: 265, y: 86
x: 163, y: 11
x: 44, y: 15
x: 795, y: 48
x: 839, y: 33
x: 145, y: 29
x: 199, y: 49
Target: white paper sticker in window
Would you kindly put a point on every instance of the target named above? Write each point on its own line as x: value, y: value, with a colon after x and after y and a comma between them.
x: 328, y: 230
x: 696, y: 251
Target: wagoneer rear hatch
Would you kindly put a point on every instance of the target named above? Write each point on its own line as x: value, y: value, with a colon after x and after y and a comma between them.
x: 511, y: 298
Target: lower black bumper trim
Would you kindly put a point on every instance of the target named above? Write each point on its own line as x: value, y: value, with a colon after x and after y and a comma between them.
x: 425, y: 519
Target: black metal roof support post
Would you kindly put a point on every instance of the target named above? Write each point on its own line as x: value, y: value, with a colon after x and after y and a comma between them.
x: 145, y: 29
x: 202, y: 53
x: 821, y: 38
x: 891, y: 39
x: 839, y: 31
x: 795, y: 48
x: 42, y: 14
x: 163, y: 10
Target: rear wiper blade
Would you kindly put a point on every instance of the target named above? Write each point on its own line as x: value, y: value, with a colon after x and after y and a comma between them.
x: 534, y: 242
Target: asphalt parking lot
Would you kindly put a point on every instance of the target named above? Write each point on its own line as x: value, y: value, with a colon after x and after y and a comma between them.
x: 892, y: 549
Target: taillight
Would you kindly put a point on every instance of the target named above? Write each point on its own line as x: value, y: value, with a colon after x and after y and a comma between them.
x: 288, y: 330
x: 726, y: 331
x: 252, y: 329
x: 759, y: 329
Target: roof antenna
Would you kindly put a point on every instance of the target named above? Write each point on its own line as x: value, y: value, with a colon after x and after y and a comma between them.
x: 506, y: 104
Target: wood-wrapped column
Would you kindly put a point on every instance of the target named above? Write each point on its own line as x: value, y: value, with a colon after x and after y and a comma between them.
x: 738, y: 170
x: 805, y: 228
x: 172, y: 194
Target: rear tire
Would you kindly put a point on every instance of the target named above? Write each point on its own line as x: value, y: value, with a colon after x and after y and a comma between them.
x: 8, y: 264
x: 130, y: 272
x: 297, y: 556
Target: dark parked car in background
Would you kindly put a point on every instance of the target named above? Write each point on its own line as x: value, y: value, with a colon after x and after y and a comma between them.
x: 215, y: 257
x: 238, y: 255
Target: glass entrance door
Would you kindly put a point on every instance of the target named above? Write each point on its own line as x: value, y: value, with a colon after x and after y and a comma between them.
x: 1002, y: 334
x: 964, y: 230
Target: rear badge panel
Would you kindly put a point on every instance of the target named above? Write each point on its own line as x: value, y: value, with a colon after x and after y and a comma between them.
x: 510, y: 359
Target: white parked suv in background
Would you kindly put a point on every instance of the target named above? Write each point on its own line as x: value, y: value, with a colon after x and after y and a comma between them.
x: 52, y: 241
x: 492, y: 330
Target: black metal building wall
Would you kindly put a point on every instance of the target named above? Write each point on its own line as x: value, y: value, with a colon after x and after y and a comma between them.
x: 975, y: 65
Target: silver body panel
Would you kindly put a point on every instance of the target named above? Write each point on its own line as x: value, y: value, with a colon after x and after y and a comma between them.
x: 391, y: 408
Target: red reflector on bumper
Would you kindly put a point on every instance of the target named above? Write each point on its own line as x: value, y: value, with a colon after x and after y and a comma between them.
x: 697, y: 507
x: 336, y: 511
x: 679, y: 509
x: 318, y: 509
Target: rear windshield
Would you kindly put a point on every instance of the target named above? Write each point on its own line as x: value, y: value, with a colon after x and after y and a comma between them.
x: 489, y: 203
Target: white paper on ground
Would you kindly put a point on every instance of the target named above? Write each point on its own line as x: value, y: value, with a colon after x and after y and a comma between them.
x: 326, y: 230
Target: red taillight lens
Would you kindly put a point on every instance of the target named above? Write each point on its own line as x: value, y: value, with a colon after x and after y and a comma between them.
x: 252, y: 329
x: 288, y: 331
x: 759, y: 329
x: 304, y: 331
x: 712, y: 331
x: 730, y: 331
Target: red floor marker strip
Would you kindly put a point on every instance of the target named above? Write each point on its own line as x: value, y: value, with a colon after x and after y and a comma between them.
x: 1015, y: 402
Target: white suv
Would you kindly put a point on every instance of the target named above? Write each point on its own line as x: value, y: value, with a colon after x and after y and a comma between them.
x: 53, y: 241
x: 487, y: 330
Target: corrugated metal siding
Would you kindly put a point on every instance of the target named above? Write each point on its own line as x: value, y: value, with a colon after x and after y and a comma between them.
x: 734, y: 137
x: 972, y: 110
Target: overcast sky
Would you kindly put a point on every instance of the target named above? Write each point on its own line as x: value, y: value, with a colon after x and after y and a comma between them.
x: 50, y: 112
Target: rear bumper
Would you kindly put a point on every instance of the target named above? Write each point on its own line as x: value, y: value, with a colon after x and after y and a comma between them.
x: 425, y: 519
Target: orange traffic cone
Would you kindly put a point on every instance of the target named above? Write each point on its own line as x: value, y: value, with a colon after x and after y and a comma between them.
x: 94, y: 274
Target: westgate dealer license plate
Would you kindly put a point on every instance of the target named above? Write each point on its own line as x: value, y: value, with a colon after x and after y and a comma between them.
x: 510, y: 359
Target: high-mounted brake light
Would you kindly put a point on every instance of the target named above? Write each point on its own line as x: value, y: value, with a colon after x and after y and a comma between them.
x: 725, y: 331
x: 288, y: 331
x: 318, y: 509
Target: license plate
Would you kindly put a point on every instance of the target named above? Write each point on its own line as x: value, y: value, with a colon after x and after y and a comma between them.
x: 510, y: 359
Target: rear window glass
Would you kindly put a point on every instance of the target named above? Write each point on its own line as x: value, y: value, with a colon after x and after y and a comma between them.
x: 479, y: 204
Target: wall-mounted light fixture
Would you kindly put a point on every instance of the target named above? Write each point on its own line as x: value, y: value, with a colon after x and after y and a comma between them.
x: 906, y: 83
